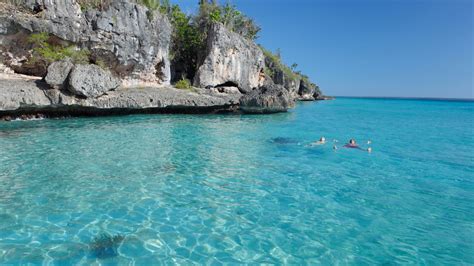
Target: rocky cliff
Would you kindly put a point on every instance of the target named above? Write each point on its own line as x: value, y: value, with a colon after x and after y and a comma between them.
x: 122, y: 37
x: 116, y: 59
x: 230, y: 60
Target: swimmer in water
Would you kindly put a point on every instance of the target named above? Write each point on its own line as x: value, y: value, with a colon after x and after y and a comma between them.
x: 352, y: 144
x: 369, y: 149
x: 321, y: 141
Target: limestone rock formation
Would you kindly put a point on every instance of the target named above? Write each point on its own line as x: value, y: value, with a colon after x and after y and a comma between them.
x: 91, y: 81
x: 269, y: 98
x: 18, y: 93
x: 135, y: 41
x: 58, y: 73
x: 129, y: 39
x: 230, y: 59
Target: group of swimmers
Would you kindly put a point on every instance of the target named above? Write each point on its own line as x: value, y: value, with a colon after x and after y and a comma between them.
x: 352, y: 144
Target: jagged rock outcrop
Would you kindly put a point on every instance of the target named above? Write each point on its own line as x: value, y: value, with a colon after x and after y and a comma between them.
x: 62, y: 18
x: 58, y: 73
x: 125, y: 36
x: 270, y: 98
x: 230, y: 59
x: 318, y: 95
x: 91, y: 81
x: 282, y: 75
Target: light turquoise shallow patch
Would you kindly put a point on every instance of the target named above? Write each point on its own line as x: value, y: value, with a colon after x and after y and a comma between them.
x: 220, y: 189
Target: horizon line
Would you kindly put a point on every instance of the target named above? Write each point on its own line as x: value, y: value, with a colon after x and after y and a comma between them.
x: 409, y: 98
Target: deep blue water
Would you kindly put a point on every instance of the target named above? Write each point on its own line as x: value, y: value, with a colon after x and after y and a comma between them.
x: 182, y: 189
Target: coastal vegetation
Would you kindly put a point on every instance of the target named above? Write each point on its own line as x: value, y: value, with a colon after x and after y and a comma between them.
x: 274, y: 62
x: 48, y: 50
x: 183, y: 84
x: 275, y: 66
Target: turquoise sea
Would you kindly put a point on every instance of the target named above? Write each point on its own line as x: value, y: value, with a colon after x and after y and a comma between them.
x: 231, y: 189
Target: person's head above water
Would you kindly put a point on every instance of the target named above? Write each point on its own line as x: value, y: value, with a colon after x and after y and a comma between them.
x: 352, y: 142
x: 322, y: 139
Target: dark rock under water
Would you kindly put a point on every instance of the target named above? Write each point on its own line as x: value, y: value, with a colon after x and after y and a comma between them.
x: 105, y: 245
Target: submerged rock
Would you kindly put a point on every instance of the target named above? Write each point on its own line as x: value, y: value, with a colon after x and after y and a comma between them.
x: 58, y: 73
x: 267, y: 99
x: 105, y: 245
x: 91, y: 81
x: 230, y: 60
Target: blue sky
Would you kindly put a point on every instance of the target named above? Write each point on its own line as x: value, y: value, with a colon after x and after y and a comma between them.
x: 401, y: 48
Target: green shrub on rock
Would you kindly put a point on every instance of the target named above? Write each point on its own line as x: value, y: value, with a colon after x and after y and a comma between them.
x: 183, y: 84
x: 233, y: 19
x: 151, y: 4
x: 46, y: 50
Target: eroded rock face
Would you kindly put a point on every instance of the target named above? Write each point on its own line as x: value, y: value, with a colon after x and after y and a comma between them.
x: 139, y: 42
x: 230, y: 59
x: 91, y: 81
x: 269, y: 98
x: 58, y: 73
x: 135, y: 45
x: 62, y: 18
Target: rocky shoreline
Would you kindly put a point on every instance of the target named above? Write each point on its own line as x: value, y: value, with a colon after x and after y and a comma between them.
x: 59, y: 59
x: 33, y: 98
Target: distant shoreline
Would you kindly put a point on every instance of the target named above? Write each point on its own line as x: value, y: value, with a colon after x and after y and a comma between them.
x: 410, y: 98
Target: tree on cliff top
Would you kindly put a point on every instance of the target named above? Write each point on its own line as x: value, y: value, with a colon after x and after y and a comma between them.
x: 233, y: 19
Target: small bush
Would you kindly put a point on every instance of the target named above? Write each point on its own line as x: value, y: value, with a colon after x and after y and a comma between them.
x: 183, y: 84
x: 44, y: 50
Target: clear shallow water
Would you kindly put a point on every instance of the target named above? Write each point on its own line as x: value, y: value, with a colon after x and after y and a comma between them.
x: 243, y: 189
